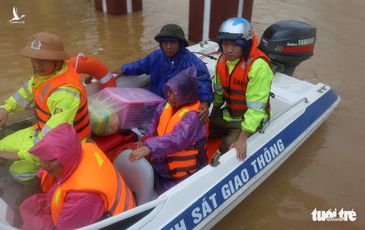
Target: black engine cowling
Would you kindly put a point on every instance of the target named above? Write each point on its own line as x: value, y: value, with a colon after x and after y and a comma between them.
x: 288, y: 43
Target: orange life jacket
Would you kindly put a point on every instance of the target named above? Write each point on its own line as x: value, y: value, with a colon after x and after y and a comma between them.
x: 235, y: 84
x: 42, y: 92
x: 186, y: 162
x: 95, y: 173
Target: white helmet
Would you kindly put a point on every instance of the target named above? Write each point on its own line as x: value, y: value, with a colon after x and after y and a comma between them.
x: 235, y: 28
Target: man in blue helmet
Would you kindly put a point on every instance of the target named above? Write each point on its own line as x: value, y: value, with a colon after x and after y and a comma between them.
x: 170, y: 59
x: 242, y: 87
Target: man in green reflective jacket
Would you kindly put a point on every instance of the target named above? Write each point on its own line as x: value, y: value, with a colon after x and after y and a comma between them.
x: 47, y: 56
x: 242, y: 87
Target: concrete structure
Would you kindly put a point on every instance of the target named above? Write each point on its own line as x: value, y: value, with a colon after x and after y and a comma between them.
x: 205, y: 16
x: 117, y: 7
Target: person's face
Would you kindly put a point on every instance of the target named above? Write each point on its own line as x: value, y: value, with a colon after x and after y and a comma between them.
x: 44, y: 67
x: 171, y: 98
x: 231, y: 50
x: 170, y: 48
x: 53, y: 167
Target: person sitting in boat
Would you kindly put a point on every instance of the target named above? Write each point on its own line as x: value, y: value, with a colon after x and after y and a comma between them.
x: 242, y: 85
x: 56, y: 92
x: 176, y: 139
x: 170, y: 59
x: 80, y: 185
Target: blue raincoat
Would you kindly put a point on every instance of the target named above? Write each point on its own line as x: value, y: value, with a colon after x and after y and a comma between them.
x: 161, y: 68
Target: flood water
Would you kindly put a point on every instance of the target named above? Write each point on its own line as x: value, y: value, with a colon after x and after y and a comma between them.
x: 326, y: 172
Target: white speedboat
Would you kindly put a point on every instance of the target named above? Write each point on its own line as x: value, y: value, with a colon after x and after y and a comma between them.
x: 200, y: 201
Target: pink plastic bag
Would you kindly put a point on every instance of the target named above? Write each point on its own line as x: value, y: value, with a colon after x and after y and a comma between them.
x: 116, y: 108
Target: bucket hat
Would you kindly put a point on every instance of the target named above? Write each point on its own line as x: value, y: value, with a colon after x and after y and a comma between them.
x: 172, y: 31
x: 45, y: 46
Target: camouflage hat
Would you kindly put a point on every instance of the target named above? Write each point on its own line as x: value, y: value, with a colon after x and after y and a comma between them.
x: 45, y: 46
x: 172, y: 31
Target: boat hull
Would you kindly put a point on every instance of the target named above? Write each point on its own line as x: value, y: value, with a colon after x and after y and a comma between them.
x: 207, y: 196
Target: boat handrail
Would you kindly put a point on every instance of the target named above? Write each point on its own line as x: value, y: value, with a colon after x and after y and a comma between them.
x: 262, y: 130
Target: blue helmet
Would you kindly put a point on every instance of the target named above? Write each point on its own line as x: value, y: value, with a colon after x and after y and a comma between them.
x: 235, y: 28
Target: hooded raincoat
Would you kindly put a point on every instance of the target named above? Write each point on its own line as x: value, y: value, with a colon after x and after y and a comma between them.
x: 63, y: 144
x: 161, y: 68
x: 187, y: 131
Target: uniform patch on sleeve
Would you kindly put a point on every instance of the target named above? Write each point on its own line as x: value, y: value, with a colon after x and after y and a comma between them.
x: 58, y: 110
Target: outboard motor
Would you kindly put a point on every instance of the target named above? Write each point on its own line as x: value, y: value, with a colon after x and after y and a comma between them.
x: 287, y: 44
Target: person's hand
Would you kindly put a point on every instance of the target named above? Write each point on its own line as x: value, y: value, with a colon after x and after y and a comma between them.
x: 241, y: 146
x: 204, y: 111
x: 3, y: 116
x: 139, y: 153
x: 117, y: 72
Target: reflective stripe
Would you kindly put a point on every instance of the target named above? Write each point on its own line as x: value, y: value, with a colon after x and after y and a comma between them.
x: 57, y: 195
x: 36, y: 140
x: 63, y: 82
x: 106, y: 78
x: 75, y: 94
x: 185, y: 110
x: 25, y: 86
x: 45, y: 130
x: 256, y: 105
x: 23, y: 176
x: 243, y: 65
x: 181, y: 159
x: 19, y: 99
x: 45, y: 90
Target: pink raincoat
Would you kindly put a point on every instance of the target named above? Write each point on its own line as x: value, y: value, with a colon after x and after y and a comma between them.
x: 80, y: 208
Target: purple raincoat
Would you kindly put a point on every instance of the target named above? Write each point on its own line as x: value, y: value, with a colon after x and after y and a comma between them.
x: 80, y: 208
x: 187, y: 131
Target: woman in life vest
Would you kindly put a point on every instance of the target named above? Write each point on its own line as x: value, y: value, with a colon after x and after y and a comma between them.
x: 176, y: 139
x: 80, y: 185
x: 242, y: 86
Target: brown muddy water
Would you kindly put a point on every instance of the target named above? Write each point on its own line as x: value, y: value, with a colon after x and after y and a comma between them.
x: 326, y: 172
